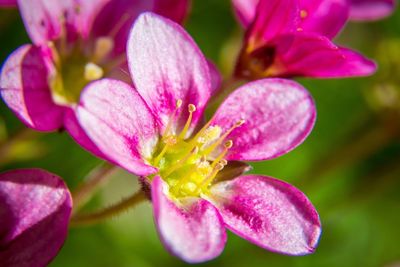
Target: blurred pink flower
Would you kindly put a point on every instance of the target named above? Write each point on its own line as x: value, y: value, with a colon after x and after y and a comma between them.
x: 35, y: 207
x: 195, y: 181
x: 286, y: 38
x: 364, y: 10
x: 74, y: 43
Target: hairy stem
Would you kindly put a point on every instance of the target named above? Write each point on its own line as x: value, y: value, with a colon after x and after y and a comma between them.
x: 109, y: 212
x: 94, y: 180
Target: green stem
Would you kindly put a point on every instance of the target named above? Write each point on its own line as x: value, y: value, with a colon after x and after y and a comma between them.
x: 95, y: 179
x: 107, y: 213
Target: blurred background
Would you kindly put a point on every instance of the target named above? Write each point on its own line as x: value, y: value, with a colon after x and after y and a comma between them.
x: 349, y: 166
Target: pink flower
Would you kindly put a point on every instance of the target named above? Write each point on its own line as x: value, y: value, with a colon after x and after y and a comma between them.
x: 363, y: 10
x: 74, y: 42
x: 35, y: 207
x: 286, y: 38
x: 192, y: 170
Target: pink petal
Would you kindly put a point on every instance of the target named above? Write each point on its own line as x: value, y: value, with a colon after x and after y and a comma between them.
x: 24, y: 88
x: 45, y: 20
x: 117, y: 120
x: 326, y: 17
x: 269, y: 213
x: 75, y: 130
x: 172, y: 9
x: 216, y: 78
x: 279, y: 114
x: 165, y: 71
x: 35, y: 207
x: 115, y: 20
x: 245, y: 10
x: 193, y: 232
x: 8, y: 3
x: 306, y: 54
x: 273, y: 17
x: 362, y: 10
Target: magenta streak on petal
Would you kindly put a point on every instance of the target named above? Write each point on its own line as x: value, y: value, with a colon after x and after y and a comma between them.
x: 36, y: 206
x: 269, y: 213
x: 193, y: 231
x: 24, y: 87
x: 279, y: 114
x: 118, y: 121
x: 165, y: 71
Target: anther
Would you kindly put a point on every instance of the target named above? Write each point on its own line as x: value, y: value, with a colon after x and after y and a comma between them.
x: 103, y: 47
x: 223, y: 162
x: 191, y: 108
x: 93, y: 72
x: 240, y: 123
x: 228, y: 144
x: 303, y: 14
x: 178, y: 103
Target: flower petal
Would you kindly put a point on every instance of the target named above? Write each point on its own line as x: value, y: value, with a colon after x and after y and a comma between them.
x: 164, y: 71
x: 273, y: 17
x: 245, y: 10
x: 326, y: 17
x: 279, y: 114
x: 194, y: 232
x: 47, y: 20
x: 312, y: 55
x: 362, y: 10
x: 216, y: 78
x: 8, y: 3
x: 269, y: 213
x: 75, y: 130
x: 24, y: 88
x: 115, y: 19
x: 36, y: 206
x: 172, y: 9
x: 117, y: 120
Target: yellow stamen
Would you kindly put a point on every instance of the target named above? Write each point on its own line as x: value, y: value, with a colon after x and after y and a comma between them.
x: 228, y: 144
x: 182, y: 161
x: 170, y: 141
x: 169, y: 125
x: 93, y: 72
x: 303, y: 14
x: 102, y: 48
x: 210, y: 177
x: 191, y: 109
x: 222, y: 138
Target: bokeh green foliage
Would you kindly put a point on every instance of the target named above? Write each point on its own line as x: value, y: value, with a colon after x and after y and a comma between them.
x: 349, y: 166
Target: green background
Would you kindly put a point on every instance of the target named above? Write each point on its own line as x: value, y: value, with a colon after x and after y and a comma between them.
x: 349, y: 166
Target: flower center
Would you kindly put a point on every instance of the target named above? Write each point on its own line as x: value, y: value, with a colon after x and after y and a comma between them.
x: 76, y: 66
x: 258, y: 63
x: 189, y: 166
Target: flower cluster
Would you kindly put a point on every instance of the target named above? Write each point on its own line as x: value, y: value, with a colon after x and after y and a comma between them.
x: 131, y: 86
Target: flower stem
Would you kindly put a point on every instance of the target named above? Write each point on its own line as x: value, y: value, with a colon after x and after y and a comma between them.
x: 94, y: 180
x: 109, y: 212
